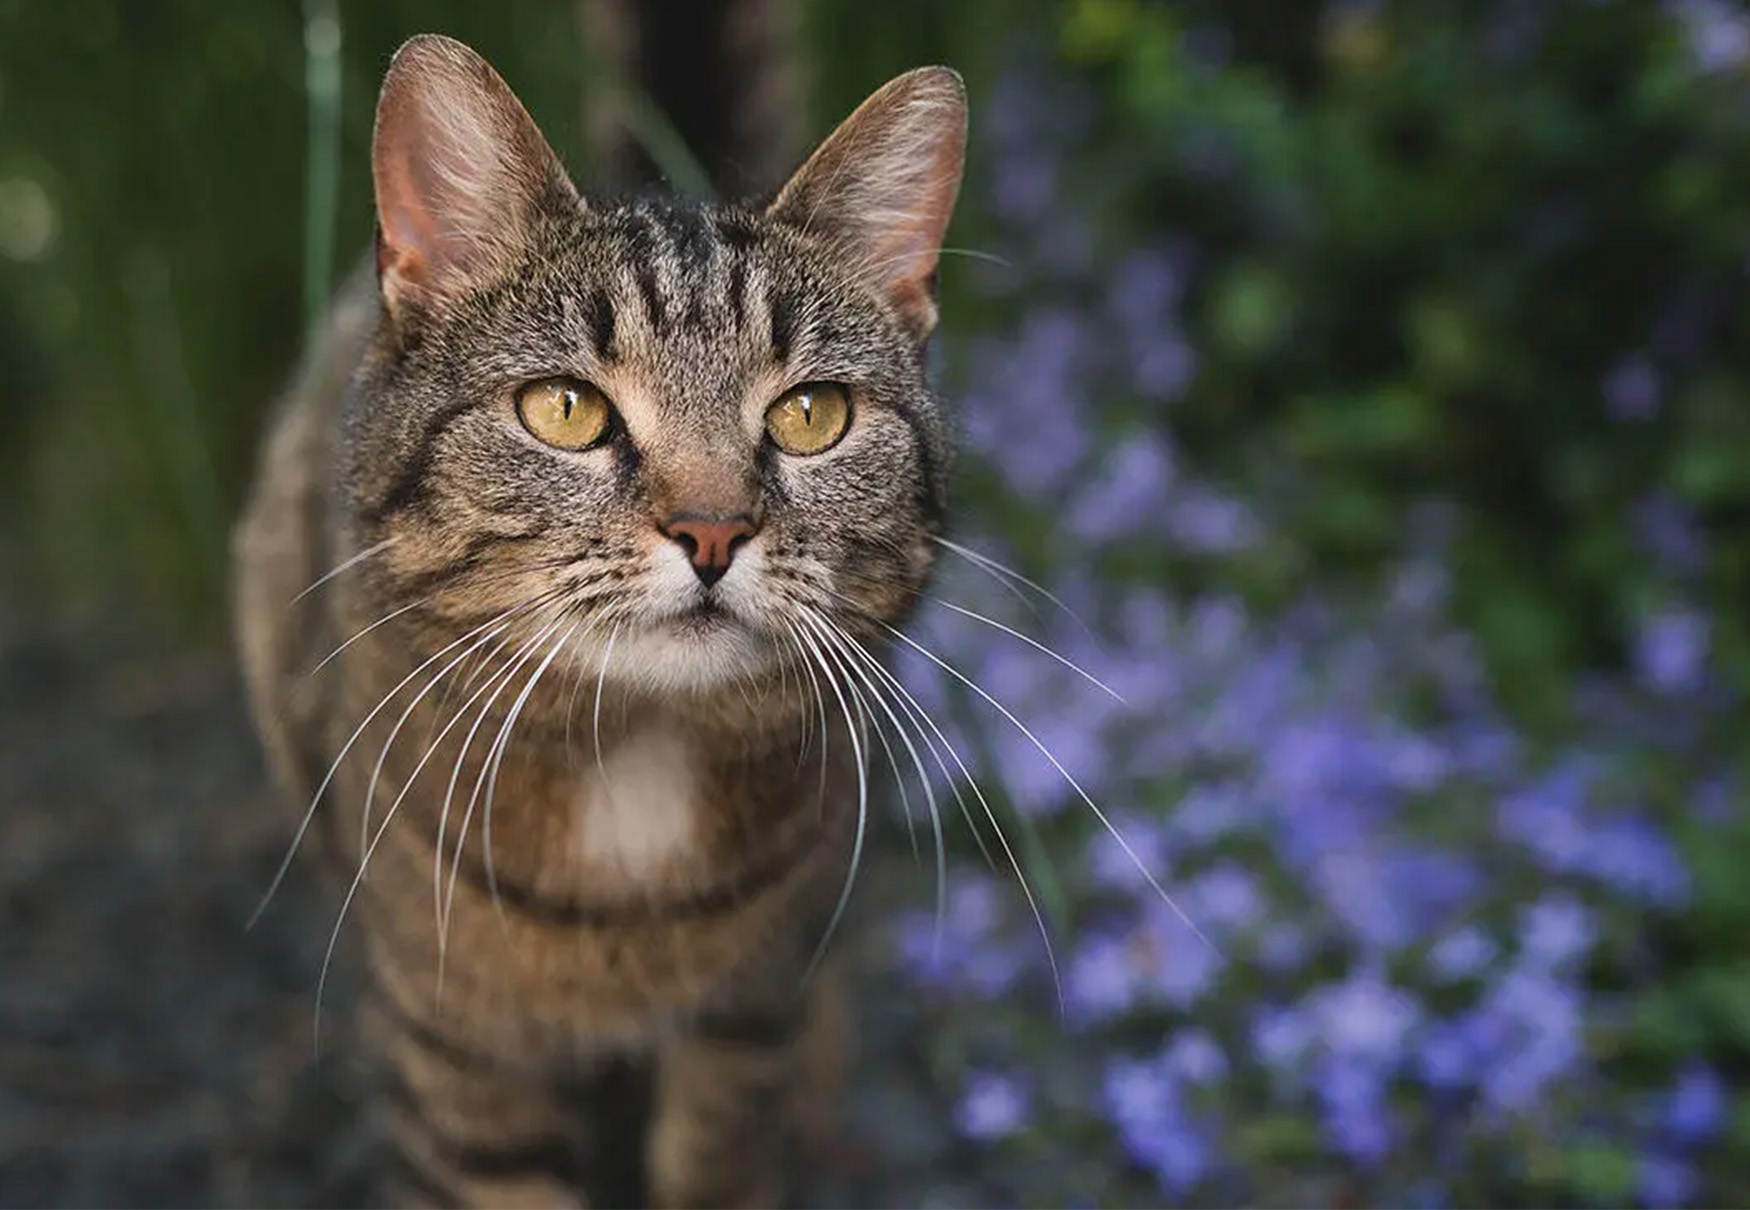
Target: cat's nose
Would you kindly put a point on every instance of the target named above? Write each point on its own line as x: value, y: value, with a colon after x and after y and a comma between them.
x: 710, y: 541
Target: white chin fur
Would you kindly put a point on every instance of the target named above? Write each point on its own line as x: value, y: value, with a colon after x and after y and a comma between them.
x: 666, y: 656
x: 662, y: 661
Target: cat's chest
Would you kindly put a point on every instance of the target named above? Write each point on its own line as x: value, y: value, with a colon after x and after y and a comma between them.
x: 639, y: 806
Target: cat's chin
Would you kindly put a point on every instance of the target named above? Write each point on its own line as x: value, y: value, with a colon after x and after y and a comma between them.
x: 692, y: 652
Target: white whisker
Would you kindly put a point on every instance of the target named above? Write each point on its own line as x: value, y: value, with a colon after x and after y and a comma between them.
x: 989, y: 814
x: 862, y: 808
x: 596, y: 714
x: 495, y: 759
x: 443, y: 910
x: 849, y: 658
x: 354, y: 561
x: 322, y: 788
x: 1037, y: 646
x: 365, y: 855
x: 1148, y: 875
x: 1008, y: 576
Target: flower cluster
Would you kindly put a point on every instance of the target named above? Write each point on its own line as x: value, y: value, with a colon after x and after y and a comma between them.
x: 1312, y: 901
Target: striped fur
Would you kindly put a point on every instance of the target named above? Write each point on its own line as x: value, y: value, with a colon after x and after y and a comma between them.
x: 606, y: 809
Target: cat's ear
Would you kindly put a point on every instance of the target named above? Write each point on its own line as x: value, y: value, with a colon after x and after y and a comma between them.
x: 883, y: 187
x: 461, y: 173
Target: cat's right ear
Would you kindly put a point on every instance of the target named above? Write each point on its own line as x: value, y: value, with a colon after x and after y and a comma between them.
x: 462, y: 174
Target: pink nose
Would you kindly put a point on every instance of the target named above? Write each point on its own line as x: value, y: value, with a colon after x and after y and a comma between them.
x: 710, y: 542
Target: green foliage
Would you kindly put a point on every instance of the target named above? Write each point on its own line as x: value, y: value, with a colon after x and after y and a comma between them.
x: 181, y: 183
x: 1426, y: 240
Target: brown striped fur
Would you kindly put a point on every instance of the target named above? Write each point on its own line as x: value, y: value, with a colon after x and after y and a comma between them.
x: 593, y: 849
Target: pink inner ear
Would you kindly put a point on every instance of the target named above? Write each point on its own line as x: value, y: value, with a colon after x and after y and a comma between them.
x: 459, y: 166
x: 407, y: 222
x: 884, y: 186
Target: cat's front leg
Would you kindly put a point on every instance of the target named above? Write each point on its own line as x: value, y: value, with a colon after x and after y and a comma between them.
x: 726, y: 1084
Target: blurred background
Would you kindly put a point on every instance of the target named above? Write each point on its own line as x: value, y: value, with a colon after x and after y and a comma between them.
x: 1365, y: 383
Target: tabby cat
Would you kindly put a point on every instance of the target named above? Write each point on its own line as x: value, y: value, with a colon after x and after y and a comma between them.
x: 570, y: 547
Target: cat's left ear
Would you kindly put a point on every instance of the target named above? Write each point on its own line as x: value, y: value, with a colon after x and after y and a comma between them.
x: 462, y: 174
x: 883, y: 187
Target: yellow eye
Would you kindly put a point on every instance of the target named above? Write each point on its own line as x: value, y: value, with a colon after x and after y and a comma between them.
x: 809, y: 419
x: 564, y: 412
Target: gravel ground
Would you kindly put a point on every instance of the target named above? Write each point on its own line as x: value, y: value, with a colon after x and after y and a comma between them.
x: 153, y: 1052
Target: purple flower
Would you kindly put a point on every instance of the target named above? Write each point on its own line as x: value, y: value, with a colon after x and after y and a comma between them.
x: 963, y: 950
x: 1461, y: 954
x: 1530, y: 1027
x: 1210, y: 811
x: 1283, y: 947
x: 1115, y: 865
x: 1718, y: 33
x: 1636, y: 858
x: 1102, y: 979
x: 1205, y: 522
x: 1696, y: 1107
x: 1555, y: 931
x: 1365, y: 1019
x: 1163, y: 368
x: 1025, y: 184
x: 1671, y: 650
x: 1667, y: 1181
x: 1195, y: 1058
x: 1127, y: 493
x: 1035, y: 785
x: 1667, y: 530
x: 1224, y: 899
x: 1447, y: 1055
x: 1631, y: 390
x: 1144, y: 1104
x: 1549, y: 816
x: 992, y: 1106
x: 1283, y: 1037
x: 1185, y: 965
x: 1355, y: 1112
x: 1145, y: 290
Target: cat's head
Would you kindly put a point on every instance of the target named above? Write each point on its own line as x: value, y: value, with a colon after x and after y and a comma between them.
x: 699, y: 433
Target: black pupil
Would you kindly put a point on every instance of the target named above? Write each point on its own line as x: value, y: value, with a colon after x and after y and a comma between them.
x: 570, y: 402
x: 807, y: 402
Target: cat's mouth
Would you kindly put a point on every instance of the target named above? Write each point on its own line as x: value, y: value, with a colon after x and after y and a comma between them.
x: 707, y: 615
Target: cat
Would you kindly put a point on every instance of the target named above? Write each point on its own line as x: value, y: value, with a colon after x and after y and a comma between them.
x: 568, y: 551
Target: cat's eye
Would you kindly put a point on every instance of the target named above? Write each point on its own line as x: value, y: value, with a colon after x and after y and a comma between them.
x: 564, y: 412
x: 809, y: 419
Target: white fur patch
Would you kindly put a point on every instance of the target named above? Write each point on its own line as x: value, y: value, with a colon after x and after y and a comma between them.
x: 639, y: 808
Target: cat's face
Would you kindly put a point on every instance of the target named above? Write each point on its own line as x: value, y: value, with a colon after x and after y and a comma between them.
x: 683, y: 441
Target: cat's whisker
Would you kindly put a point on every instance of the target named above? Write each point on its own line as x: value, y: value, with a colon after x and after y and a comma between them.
x: 868, y: 271
x: 862, y: 806
x: 515, y: 663
x: 989, y: 813
x: 577, y: 678
x: 601, y: 678
x: 344, y: 565
x: 871, y: 723
x: 853, y: 657
x: 382, y: 621
x: 383, y: 754
x: 914, y: 710
x: 1008, y: 576
x: 807, y: 666
x: 796, y: 658
x: 437, y: 741
x: 1037, y: 646
x: 366, y: 852
x: 322, y: 788
x: 495, y: 759
x: 1068, y: 777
